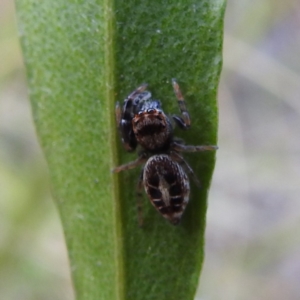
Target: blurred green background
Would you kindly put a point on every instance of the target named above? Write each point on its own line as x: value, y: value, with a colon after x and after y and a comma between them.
x: 252, y: 243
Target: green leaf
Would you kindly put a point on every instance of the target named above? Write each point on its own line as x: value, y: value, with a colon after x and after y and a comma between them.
x: 83, y: 56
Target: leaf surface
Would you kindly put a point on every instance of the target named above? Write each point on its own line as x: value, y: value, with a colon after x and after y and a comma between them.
x: 83, y: 56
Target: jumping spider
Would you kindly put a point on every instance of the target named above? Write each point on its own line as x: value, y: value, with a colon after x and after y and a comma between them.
x: 141, y: 121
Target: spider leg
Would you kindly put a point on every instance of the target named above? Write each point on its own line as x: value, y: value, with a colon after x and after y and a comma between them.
x: 128, y: 102
x: 184, y: 120
x: 190, y: 148
x: 139, y: 198
x: 186, y: 167
x: 131, y: 165
x: 137, y: 91
x: 124, y: 117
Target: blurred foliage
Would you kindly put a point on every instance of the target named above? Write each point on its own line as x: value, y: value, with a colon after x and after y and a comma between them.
x: 252, y: 247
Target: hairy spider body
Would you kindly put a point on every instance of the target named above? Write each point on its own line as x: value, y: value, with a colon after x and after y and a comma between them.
x: 152, y: 130
x: 142, y: 122
x: 167, y: 185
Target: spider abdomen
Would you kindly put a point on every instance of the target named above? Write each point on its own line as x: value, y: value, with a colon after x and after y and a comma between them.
x: 167, y: 186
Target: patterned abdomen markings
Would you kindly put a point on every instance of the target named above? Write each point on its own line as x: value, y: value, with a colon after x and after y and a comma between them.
x: 167, y: 186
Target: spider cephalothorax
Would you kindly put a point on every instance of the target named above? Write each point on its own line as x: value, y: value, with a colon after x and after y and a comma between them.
x: 152, y: 129
x: 141, y: 121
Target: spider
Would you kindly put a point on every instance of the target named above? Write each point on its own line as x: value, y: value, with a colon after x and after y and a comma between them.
x: 142, y: 122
